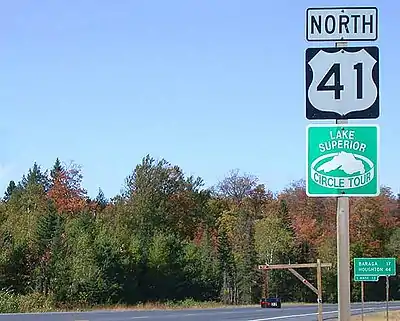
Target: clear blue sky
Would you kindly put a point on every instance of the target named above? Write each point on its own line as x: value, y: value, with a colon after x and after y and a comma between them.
x: 208, y: 85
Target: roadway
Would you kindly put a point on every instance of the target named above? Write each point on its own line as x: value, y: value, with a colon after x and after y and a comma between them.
x: 287, y: 312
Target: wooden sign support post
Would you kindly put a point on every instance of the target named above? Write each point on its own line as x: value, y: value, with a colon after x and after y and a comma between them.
x: 292, y: 267
x: 362, y: 300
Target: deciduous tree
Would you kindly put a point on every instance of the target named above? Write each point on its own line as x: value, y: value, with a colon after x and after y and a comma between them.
x: 66, y: 190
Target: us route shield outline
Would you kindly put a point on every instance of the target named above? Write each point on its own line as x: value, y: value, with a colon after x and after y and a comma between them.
x: 371, y: 111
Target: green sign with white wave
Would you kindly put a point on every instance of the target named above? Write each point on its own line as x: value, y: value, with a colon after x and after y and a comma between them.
x: 342, y: 160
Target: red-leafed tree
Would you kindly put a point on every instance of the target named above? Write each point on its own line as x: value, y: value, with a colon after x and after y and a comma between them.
x: 66, y: 190
x: 302, y: 213
x: 372, y: 222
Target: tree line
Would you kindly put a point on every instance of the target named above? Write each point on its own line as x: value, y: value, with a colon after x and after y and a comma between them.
x: 167, y: 237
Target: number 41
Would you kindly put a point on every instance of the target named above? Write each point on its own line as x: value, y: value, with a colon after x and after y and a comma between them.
x: 338, y: 87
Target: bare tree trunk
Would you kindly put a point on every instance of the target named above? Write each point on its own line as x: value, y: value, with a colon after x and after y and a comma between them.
x: 225, y: 293
x: 232, y: 293
x: 271, y: 255
x: 264, y: 288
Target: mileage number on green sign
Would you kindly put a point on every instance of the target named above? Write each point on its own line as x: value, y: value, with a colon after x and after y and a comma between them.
x: 370, y: 269
x: 342, y: 160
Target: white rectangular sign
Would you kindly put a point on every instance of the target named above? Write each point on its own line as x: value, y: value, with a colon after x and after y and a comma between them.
x: 342, y: 24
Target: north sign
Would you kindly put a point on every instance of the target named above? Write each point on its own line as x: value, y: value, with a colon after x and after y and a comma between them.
x: 342, y: 83
x: 342, y: 160
x: 342, y: 24
x: 370, y: 269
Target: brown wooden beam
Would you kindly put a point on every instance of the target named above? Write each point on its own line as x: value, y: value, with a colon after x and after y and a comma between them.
x: 291, y: 266
x: 319, y: 287
x: 308, y: 284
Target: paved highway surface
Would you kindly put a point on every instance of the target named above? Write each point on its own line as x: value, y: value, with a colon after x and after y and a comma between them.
x: 289, y: 312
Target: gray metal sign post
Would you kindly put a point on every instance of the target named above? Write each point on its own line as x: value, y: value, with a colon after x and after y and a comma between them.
x: 339, y: 90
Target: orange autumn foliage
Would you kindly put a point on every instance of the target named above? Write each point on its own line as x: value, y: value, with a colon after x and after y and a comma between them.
x: 371, y: 220
x: 314, y: 219
x: 66, y: 191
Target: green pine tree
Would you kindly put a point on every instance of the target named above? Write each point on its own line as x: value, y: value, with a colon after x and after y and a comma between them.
x: 57, y: 168
x: 9, y: 191
x: 101, y: 200
x: 226, y: 267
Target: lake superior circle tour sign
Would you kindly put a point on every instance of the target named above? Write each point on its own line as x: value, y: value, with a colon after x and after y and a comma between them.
x: 342, y: 160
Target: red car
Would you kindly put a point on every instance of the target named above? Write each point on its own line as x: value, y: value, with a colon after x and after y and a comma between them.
x: 270, y: 303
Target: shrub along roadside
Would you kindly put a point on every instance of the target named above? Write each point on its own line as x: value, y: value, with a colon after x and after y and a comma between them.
x: 33, y: 302
x: 37, y: 302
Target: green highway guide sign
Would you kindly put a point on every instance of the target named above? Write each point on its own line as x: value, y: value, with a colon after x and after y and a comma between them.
x: 370, y: 269
x: 366, y: 278
x: 342, y: 160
